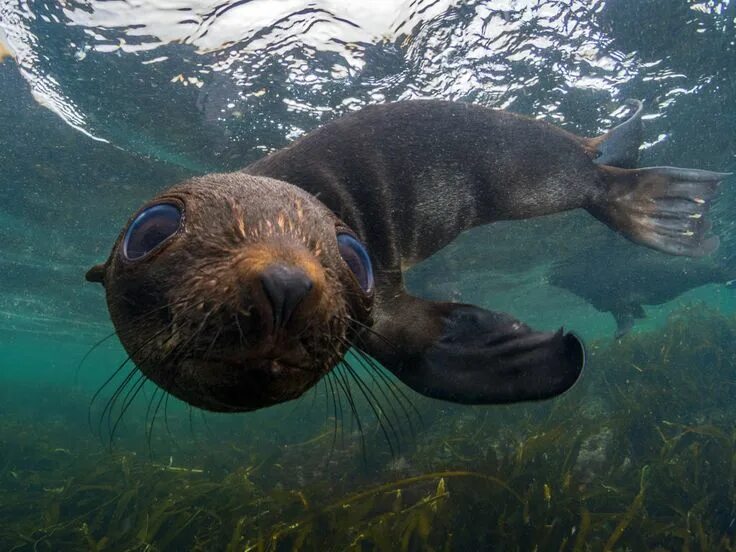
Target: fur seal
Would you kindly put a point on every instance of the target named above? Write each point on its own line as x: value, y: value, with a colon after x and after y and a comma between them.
x: 621, y: 281
x: 238, y: 291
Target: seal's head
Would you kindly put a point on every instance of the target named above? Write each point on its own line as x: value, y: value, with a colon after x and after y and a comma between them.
x: 235, y: 292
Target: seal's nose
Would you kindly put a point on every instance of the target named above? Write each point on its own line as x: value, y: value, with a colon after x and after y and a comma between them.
x: 285, y: 286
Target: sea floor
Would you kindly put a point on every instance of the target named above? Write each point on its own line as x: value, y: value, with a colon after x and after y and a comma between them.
x: 640, y: 455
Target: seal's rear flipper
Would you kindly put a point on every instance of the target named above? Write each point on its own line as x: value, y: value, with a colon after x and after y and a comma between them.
x: 664, y: 208
x: 619, y: 147
x: 465, y: 354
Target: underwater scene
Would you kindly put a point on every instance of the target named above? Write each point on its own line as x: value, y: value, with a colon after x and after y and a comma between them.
x: 104, y: 105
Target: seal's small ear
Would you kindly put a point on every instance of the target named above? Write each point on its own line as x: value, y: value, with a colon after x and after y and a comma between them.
x: 96, y: 274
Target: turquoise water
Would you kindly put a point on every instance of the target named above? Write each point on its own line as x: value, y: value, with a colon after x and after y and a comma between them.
x: 104, y: 104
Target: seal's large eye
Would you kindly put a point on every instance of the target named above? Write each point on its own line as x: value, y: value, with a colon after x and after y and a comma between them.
x: 356, y: 257
x: 150, y: 229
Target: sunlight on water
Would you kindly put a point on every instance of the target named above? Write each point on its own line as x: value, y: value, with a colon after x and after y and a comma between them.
x: 245, y: 60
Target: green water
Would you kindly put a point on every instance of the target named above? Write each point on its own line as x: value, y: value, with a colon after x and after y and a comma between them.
x: 639, y: 455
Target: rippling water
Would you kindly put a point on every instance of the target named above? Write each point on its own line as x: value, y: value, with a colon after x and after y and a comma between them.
x: 225, y: 81
x: 106, y: 102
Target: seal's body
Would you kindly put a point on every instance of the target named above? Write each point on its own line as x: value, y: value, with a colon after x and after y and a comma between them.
x: 309, y: 274
x: 409, y: 177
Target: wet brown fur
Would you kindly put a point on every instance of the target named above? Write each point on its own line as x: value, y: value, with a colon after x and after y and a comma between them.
x: 407, y: 178
x: 213, y: 346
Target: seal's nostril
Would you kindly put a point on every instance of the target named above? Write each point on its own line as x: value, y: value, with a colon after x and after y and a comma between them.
x: 285, y: 286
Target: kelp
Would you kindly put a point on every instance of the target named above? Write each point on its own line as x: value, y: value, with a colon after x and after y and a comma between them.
x: 640, y: 455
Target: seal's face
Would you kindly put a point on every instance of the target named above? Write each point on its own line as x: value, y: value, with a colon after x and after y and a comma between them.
x: 235, y: 292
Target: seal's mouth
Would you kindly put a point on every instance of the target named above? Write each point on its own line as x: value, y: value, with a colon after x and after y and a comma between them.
x: 233, y: 367
x: 272, y: 360
x: 274, y: 366
x: 232, y: 383
x: 286, y: 352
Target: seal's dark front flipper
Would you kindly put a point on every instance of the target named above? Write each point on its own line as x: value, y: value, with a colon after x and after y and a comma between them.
x: 465, y: 354
x: 664, y: 208
x: 619, y: 147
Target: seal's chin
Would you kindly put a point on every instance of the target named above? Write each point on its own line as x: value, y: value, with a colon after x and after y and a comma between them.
x: 232, y: 384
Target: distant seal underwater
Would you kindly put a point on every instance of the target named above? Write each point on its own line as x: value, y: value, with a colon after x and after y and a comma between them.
x: 238, y: 291
x: 620, y: 281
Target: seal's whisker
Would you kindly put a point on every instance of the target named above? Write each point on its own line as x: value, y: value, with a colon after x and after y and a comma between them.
x: 149, y: 433
x: 212, y: 344
x: 204, y: 421
x: 314, y: 398
x: 360, y: 356
x: 378, y: 411
x: 327, y: 398
x: 241, y: 336
x: 377, y: 407
x: 343, y: 381
x: 306, y: 330
x: 88, y: 353
x: 328, y: 378
x: 396, y: 391
x: 116, y: 372
x: 330, y: 411
x: 127, y: 401
x: 148, y: 414
x: 181, y: 348
x: 110, y: 404
x: 342, y: 411
x: 143, y: 345
x: 99, y: 390
x: 195, y: 336
x: 150, y: 405
x: 166, y: 416
x: 112, y: 401
x: 220, y: 260
x: 372, y: 332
